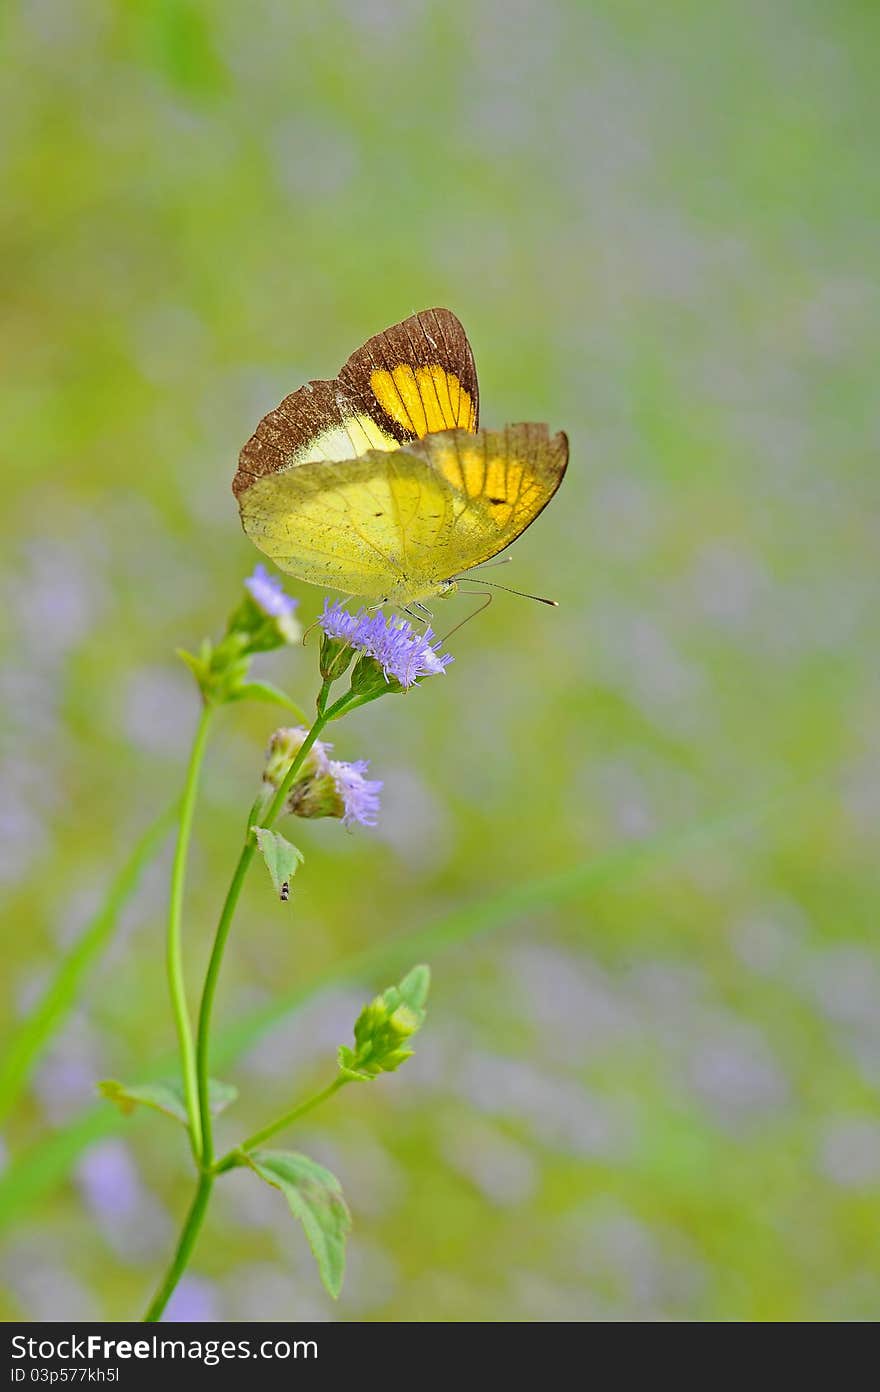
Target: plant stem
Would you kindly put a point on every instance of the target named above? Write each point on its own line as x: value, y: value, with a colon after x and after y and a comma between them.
x: 280, y: 1124
x: 184, y: 1249
x: 205, y: 1153
x: 227, y: 914
x: 176, y: 984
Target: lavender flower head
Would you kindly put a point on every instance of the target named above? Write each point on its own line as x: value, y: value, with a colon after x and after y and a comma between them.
x: 360, y: 796
x: 325, y: 787
x: 391, y: 642
x: 267, y: 592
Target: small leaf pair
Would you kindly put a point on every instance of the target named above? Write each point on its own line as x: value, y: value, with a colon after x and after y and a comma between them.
x: 164, y: 1097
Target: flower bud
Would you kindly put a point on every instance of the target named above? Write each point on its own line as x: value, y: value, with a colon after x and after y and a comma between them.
x: 336, y: 655
x: 284, y: 746
x: 316, y: 796
x: 383, y: 1027
x: 265, y: 618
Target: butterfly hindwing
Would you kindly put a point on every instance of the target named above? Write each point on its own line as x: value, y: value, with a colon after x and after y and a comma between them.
x: 348, y: 531
x: 399, y: 524
x: 500, y: 481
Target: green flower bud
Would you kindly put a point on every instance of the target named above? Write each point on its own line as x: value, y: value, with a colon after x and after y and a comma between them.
x: 263, y: 620
x: 383, y: 1027
x: 368, y: 679
x: 336, y: 655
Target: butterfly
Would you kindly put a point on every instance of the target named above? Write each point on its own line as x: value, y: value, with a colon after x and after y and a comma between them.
x: 380, y: 483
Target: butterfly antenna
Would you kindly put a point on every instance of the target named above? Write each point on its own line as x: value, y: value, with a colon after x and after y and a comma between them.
x: 313, y: 624
x: 539, y: 599
x: 491, y: 565
x: 485, y: 605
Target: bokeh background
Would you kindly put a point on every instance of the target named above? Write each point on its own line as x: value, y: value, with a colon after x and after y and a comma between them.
x: 654, y: 1096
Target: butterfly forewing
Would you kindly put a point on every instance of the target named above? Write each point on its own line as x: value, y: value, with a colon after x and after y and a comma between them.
x: 415, y: 377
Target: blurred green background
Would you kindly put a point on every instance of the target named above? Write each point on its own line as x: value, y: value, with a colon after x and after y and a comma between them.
x: 658, y: 1098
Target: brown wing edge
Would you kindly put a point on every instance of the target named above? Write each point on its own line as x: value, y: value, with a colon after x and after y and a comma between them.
x: 431, y: 336
x: 301, y: 416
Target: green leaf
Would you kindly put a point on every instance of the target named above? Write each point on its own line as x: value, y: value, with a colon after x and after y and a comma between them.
x: 267, y: 691
x: 164, y: 1097
x: 315, y: 1198
x: 282, y: 859
x: 197, y: 665
x: 415, y: 986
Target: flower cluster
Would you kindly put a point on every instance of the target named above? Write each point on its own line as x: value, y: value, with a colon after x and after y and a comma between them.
x: 264, y: 619
x: 402, y: 655
x: 325, y: 787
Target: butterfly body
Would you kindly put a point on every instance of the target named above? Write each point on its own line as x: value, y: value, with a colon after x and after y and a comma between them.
x: 380, y: 484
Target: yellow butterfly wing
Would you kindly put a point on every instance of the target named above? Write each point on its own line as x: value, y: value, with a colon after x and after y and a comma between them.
x: 355, y: 526
x: 397, y: 525
x: 500, y: 481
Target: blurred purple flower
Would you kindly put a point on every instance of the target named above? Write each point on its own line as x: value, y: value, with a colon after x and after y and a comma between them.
x: 392, y: 642
x: 267, y: 592
x: 109, y: 1181
x: 193, y: 1302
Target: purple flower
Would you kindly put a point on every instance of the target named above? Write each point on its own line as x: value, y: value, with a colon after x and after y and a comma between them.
x: 267, y: 593
x: 359, y: 795
x: 325, y: 787
x: 338, y: 623
x: 391, y: 642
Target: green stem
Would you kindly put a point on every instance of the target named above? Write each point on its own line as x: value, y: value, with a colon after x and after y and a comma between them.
x: 205, y: 1152
x: 187, y: 1241
x: 176, y: 984
x: 227, y: 914
x: 232, y: 1159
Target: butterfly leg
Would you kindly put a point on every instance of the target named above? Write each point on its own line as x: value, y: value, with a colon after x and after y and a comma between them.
x: 423, y: 617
